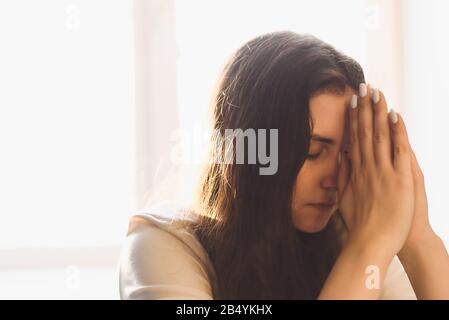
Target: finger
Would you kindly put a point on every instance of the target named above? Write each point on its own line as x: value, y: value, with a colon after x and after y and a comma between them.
x: 353, y: 143
x: 365, y: 117
x: 418, y: 176
x: 382, y: 139
x: 342, y: 184
x: 400, y: 143
x: 343, y: 173
x: 419, y: 187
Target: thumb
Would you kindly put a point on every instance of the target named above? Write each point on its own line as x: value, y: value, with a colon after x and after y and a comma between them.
x: 343, y: 173
x: 418, y: 177
x: 343, y: 178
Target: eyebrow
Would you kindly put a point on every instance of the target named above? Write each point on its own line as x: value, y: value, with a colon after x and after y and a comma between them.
x: 322, y: 139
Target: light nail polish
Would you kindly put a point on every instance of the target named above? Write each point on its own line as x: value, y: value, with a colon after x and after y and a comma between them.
x: 376, y: 96
x: 354, y: 101
x: 363, y: 90
x: 393, y: 116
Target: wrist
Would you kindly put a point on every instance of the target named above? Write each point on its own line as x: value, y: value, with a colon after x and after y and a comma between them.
x: 374, y: 248
x: 359, y: 271
x: 418, y: 246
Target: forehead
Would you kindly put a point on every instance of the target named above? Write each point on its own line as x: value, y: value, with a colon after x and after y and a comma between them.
x: 328, y: 111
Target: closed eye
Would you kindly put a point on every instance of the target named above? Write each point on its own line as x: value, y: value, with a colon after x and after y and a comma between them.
x: 324, y: 141
x: 313, y: 156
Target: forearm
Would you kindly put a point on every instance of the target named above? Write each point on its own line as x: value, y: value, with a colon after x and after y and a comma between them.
x: 427, y: 266
x: 352, y: 275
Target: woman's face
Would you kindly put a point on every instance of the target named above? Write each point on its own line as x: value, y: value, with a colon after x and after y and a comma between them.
x: 315, y: 193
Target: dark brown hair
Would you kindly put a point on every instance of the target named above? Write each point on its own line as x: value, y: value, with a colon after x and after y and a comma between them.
x: 246, y: 221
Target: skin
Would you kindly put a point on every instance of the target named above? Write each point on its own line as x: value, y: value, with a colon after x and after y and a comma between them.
x: 379, y: 188
x: 317, y: 179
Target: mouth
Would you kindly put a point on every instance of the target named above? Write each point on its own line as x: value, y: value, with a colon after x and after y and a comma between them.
x: 324, y: 206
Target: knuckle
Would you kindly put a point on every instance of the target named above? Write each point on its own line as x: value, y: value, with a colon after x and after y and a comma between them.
x: 352, y: 138
x: 420, y: 175
x: 365, y: 133
x: 400, y: 150
x: 378, y: 137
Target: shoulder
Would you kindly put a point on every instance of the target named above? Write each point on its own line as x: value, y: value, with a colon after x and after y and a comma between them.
x: 163, y: 259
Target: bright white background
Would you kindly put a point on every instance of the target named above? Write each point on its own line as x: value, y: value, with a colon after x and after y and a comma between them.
x: 67, y: 137
x: 94, y: 92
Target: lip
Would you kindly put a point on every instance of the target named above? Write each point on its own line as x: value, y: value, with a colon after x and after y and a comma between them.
x: 324, y: 206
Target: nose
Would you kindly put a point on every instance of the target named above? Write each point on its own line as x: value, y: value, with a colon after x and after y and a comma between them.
x: 330, y: 182
x: 331, y: 176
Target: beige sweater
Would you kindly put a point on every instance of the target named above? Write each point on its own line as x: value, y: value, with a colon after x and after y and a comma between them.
x: 161, y: 259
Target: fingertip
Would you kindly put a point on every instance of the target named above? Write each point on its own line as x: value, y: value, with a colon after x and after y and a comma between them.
x: 397, y: 122
x: 363, y: 90
x: 354, y: 102
x: 393, y: 117
x: 376, y: 96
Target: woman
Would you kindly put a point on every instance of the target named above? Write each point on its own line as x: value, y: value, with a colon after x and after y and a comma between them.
x: 346, y: 200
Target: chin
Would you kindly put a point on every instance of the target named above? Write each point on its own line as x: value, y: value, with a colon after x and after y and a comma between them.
x: 311, y: 228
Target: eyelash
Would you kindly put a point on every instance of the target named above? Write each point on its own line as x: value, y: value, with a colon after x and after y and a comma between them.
x: 314, y: 156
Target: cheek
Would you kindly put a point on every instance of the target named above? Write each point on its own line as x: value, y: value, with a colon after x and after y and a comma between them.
x: 304, y: 187
x: 307, y: 186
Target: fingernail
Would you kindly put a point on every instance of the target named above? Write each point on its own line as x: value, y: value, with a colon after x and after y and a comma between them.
x: 354, y: 101
x: 376, y: 96
x: 363, y: 90
x: 339, y: 158
x: 393, y: 116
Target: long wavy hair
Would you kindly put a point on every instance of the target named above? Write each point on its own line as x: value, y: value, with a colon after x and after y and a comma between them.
x: 245, y: 222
